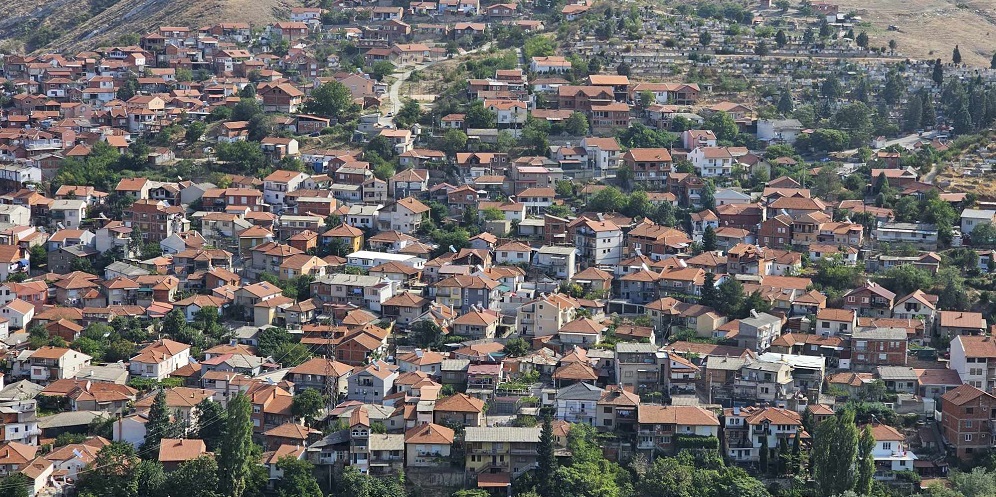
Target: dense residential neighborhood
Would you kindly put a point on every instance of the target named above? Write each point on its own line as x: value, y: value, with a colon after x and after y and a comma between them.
x: 539, y: 249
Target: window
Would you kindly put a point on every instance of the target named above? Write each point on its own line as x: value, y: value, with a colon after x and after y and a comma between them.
x: 887, y: 445
x: 968, y: 437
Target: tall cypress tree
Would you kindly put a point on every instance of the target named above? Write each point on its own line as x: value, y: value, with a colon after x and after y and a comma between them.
x: 235, y: 461
x: 709, y: 239
x: 764, y: 453
x: 835, y: 448
x: 708, y: 297
x: 938, y: 73
x: 158, y: 427
x: 796, y: 453
x: 546, y: 462
x: 866, y: 462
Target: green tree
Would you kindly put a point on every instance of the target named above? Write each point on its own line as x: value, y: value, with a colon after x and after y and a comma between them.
x: 913, y: 114
x: 210, y: 423
x: 938, y: 72
x: 723, y: 125
x: 705, y: 38
x: 480, y: 117
x: 292, y: 353
x: 638, y: 205
x: 992, y: 64
x: 16, y: 485
x: 906, y: 278
x: 381, y: 69
x: 535, y: 136
x: 729, y: 296
x: 576, y: 124
x: 246, y: 109
x: 709, y: 239
x: 331, y: 99
x: 194, y: 131
x: 159, y: 425
x: 763, y: 454
x: 781, y: 39
x: 831, y: 88
x: 976, y: 483
x: 308, y: 404
x: 195, y: 478
x: 409, y: 114
x: 862, y: 40
x: 425, y: 334
x: 956, y: 55
x: 516, y: 347
x: 235, y: 458
x: 866, y: 462
x: 453, y: 141
x: 835, y: 448
x: 538, y: 46
x: 298, y: 479
x: 111, y: 473
x: 708, y: 195
x: 545, y: 459
x: 785, y: 104
x: 608, y: 199
x: 709, y: 292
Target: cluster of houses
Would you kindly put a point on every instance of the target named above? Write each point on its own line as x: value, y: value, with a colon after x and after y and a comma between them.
x: 610, y: 307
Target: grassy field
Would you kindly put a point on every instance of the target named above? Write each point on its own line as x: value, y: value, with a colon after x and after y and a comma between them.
x: 929, y: 29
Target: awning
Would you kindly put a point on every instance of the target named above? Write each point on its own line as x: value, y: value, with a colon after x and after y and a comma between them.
x: 493, y: 480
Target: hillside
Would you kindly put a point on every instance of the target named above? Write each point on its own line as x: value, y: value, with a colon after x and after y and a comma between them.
x: 73, y: 25
x: 929, y: 29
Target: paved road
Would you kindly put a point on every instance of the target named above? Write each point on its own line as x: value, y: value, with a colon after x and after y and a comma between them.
x: 395, y: 89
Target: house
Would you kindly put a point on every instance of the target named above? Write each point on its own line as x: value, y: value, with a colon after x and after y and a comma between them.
x: 175, y: 451
x: 279, y: 183
x: 428, y: 445
x: 920, y: 235
x: 553, y: 64
x: 465, y: 293
x: 578, y: 403
x: 409, y: 182
x: 974, y: 358
x: 870, y: 300
x: 891, y: 453
x: 966, y: 415
x: 745, y: 427
x: 712, y: 162
x: 372, y: 383
x: 461, y: 409
x: 50, y: 363
x: 477, y: 324
x: 917, y: 305
x: 878, y: 347
x: 650, y: 166
x: 599, y: 243
x: 280, y: 97
x: 953, y: 323
x: 932, y: 383
x: 757, y: 331
x: 404, y: 215
x: 973, y: 218
x: 663, y: 428
x: 18, y: 313
x: 160, y: 359
x: 832, y: 322
x: 507, y: 452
